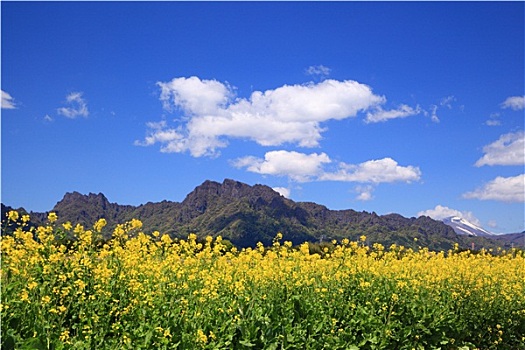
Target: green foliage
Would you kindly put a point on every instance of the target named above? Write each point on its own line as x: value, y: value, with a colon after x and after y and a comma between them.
x: 149, y: 292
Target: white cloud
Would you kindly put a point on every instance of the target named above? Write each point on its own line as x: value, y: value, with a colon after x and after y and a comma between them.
x: 7, y: 101
x: 380, y: 115
x: 364, y: 192
x: 494, y: 120
x: 318, y: 70
x: 297, y: 166
x: 447, y: 101
x: 492, y: 223
x: 515, y: 102
x: 283, y: 191
x: 194, y: 96
x: 159, y: 132
x: 441, y: 212
x: 78, y: 106
x: 509, y: 149
x: 310, y: 167
x: 288, y: 114
x: 504, y: 189
x: 432, y: 112
x: 374, y: 171
x: 434, y: 116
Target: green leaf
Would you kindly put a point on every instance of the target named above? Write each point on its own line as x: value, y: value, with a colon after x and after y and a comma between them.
x: 246, y: 343
x: 33, y: 344
x: 272, y: 346
x: 148, y: 338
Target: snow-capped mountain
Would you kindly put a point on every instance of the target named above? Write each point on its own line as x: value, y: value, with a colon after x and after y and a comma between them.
x: 464, y: 227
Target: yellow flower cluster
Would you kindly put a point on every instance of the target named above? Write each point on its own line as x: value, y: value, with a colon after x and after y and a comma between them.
x: 197, y: 292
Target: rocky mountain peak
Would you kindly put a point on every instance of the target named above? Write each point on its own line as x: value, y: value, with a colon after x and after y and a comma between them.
x: 82, y: 208
x: 235, y: 189
x: 246, y: 214
x: 76, y: 198
x: 210, y: 192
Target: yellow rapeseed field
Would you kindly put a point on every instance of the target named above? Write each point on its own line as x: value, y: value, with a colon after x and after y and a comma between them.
x: 64, y: 287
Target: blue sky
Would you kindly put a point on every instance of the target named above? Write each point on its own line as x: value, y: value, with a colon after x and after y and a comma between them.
x: 414, y: 107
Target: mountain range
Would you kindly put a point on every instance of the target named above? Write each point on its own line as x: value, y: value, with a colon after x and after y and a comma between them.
x: 245, y: 215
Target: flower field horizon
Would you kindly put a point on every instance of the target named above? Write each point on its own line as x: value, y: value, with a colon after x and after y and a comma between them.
x: 65, y: 287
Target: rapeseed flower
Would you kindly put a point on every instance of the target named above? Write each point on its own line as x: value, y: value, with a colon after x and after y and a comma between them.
x: 110, y: 293
x: 12, y: 215
x: 52, y: 217
x: 64, y: 337
x: 201, y: 337
x: 99, y: 225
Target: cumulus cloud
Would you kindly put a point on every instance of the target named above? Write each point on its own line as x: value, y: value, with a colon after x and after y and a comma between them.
x: 509, y: 149
x: 374, y: 171
x: 303, y: 167
x: 159, y: 132
x: 318, y: 70
x: 515, y: 102
x: 283, y: 191
x: 441, y: 212
x: 7, y: 101
x: 77, y: 106
x: 288, y: 114
x: 504, y: 189
x: 380, y: 115
x: 297, y: 166
x: 364, y: 192
x: 194, y: 96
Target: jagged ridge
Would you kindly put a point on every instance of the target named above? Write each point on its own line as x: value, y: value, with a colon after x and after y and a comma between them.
x: 247, y: 214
